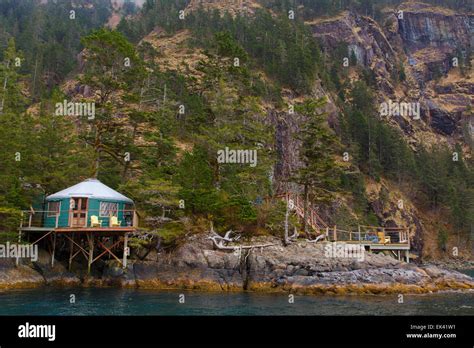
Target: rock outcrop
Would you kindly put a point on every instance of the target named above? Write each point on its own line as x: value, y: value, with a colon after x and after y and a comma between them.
x: 38, y: 273
x: 233, y: 7
x: 424, y: 40
x: 422, y: 25
x: 301, y: 267
x: 18, y: 277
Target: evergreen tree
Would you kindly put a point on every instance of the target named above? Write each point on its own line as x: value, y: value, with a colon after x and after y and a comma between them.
x: 112, y: 68
x: 319, y: 174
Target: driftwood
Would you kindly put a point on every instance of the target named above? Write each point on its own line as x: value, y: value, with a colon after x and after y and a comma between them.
x: 294, y: 236
x: 318, y: 238
x: 221, y: 242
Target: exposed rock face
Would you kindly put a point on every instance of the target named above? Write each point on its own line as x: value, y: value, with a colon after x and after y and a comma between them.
x: 56, y: 275
x: 287, y: 126
x: 18, y: 277
x: 362, y: 34
x: 422, y: 38
x: 231, y: 6
x: 447, y: 104
x: 424, y: 25
x: 287, y: 129
x: 32, y: 274
x: 193, y: 265
x: 384, y: 200
x: 302, y: 267
x: 364, y: 38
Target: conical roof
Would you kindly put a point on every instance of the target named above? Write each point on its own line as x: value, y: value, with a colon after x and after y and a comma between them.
x: 90, y: 188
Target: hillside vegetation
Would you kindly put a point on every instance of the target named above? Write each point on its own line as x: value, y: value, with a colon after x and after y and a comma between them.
x: 170, y: 92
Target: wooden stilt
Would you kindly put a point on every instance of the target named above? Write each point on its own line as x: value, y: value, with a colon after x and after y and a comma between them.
x: 107, y: 250
x: 90, y: 237
x: 17, y: 261
x: 53, y: 249
x: 407, y: 256
x: 125, y: 250
x: 71, y: 251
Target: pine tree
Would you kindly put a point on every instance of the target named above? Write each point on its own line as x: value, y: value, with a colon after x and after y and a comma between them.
x: 112, y: 68
x: 319, y: 174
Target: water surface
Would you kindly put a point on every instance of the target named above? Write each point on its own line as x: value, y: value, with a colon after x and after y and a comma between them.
x: 115, y: 301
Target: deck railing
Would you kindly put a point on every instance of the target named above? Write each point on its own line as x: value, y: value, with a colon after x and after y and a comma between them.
x: 73, y: 218
x: 296, y: 203
x: 363, y: 234
x: 370, y: 234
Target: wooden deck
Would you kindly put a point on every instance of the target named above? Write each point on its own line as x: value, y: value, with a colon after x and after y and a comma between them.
x: 395, y: 240
x: 79, y: 229
x: 380, y: 246
x: 94, y: 229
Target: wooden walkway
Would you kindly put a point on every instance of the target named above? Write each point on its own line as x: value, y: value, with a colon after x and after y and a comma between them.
x: 374, y: 238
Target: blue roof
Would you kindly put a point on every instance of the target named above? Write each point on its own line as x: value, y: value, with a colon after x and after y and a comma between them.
x: 90, y: 188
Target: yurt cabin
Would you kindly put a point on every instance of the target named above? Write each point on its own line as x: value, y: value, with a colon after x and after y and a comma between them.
x: 89, y: 204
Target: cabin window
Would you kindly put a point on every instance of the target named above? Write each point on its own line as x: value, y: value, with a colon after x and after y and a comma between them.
x: 54, y: 208
x: 128, y: 214
x: 108, y: 209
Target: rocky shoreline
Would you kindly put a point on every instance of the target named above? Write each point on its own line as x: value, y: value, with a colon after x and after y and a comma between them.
x: 300, y: 268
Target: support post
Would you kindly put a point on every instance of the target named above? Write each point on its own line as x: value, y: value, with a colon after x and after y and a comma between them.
x: 407, y: 232
x: 407, y: 256
x: 125, y: 250
x: 54, y: 249
x: 71, y: 251
x: 17, y: 261
x: 335, y: 236
x: 358, y: 229
x: 90, y: 237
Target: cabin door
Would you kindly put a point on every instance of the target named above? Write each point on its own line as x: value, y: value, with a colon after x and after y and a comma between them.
x: 78, y: 212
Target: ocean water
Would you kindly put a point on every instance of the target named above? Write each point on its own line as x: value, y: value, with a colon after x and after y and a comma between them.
x: 469, y: 272
x: 114, y: 301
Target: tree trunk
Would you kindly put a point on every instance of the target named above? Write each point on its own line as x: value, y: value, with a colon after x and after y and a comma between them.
x: 305, y: 210
x: 287, y: 214
x: 4, y: 88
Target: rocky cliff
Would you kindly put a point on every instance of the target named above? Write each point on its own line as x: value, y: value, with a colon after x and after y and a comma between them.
x: 423, y: 40
x: 302, y: 267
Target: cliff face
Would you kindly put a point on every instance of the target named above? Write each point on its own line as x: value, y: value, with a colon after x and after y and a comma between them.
x: 233, y: 7
x: 424, y: 40
x: 363, y: 37
x: 302, y: 268
x: 423, y: 25
x: 432, y: 38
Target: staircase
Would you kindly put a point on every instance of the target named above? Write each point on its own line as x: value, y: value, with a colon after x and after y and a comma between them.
x: 296, y: 203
